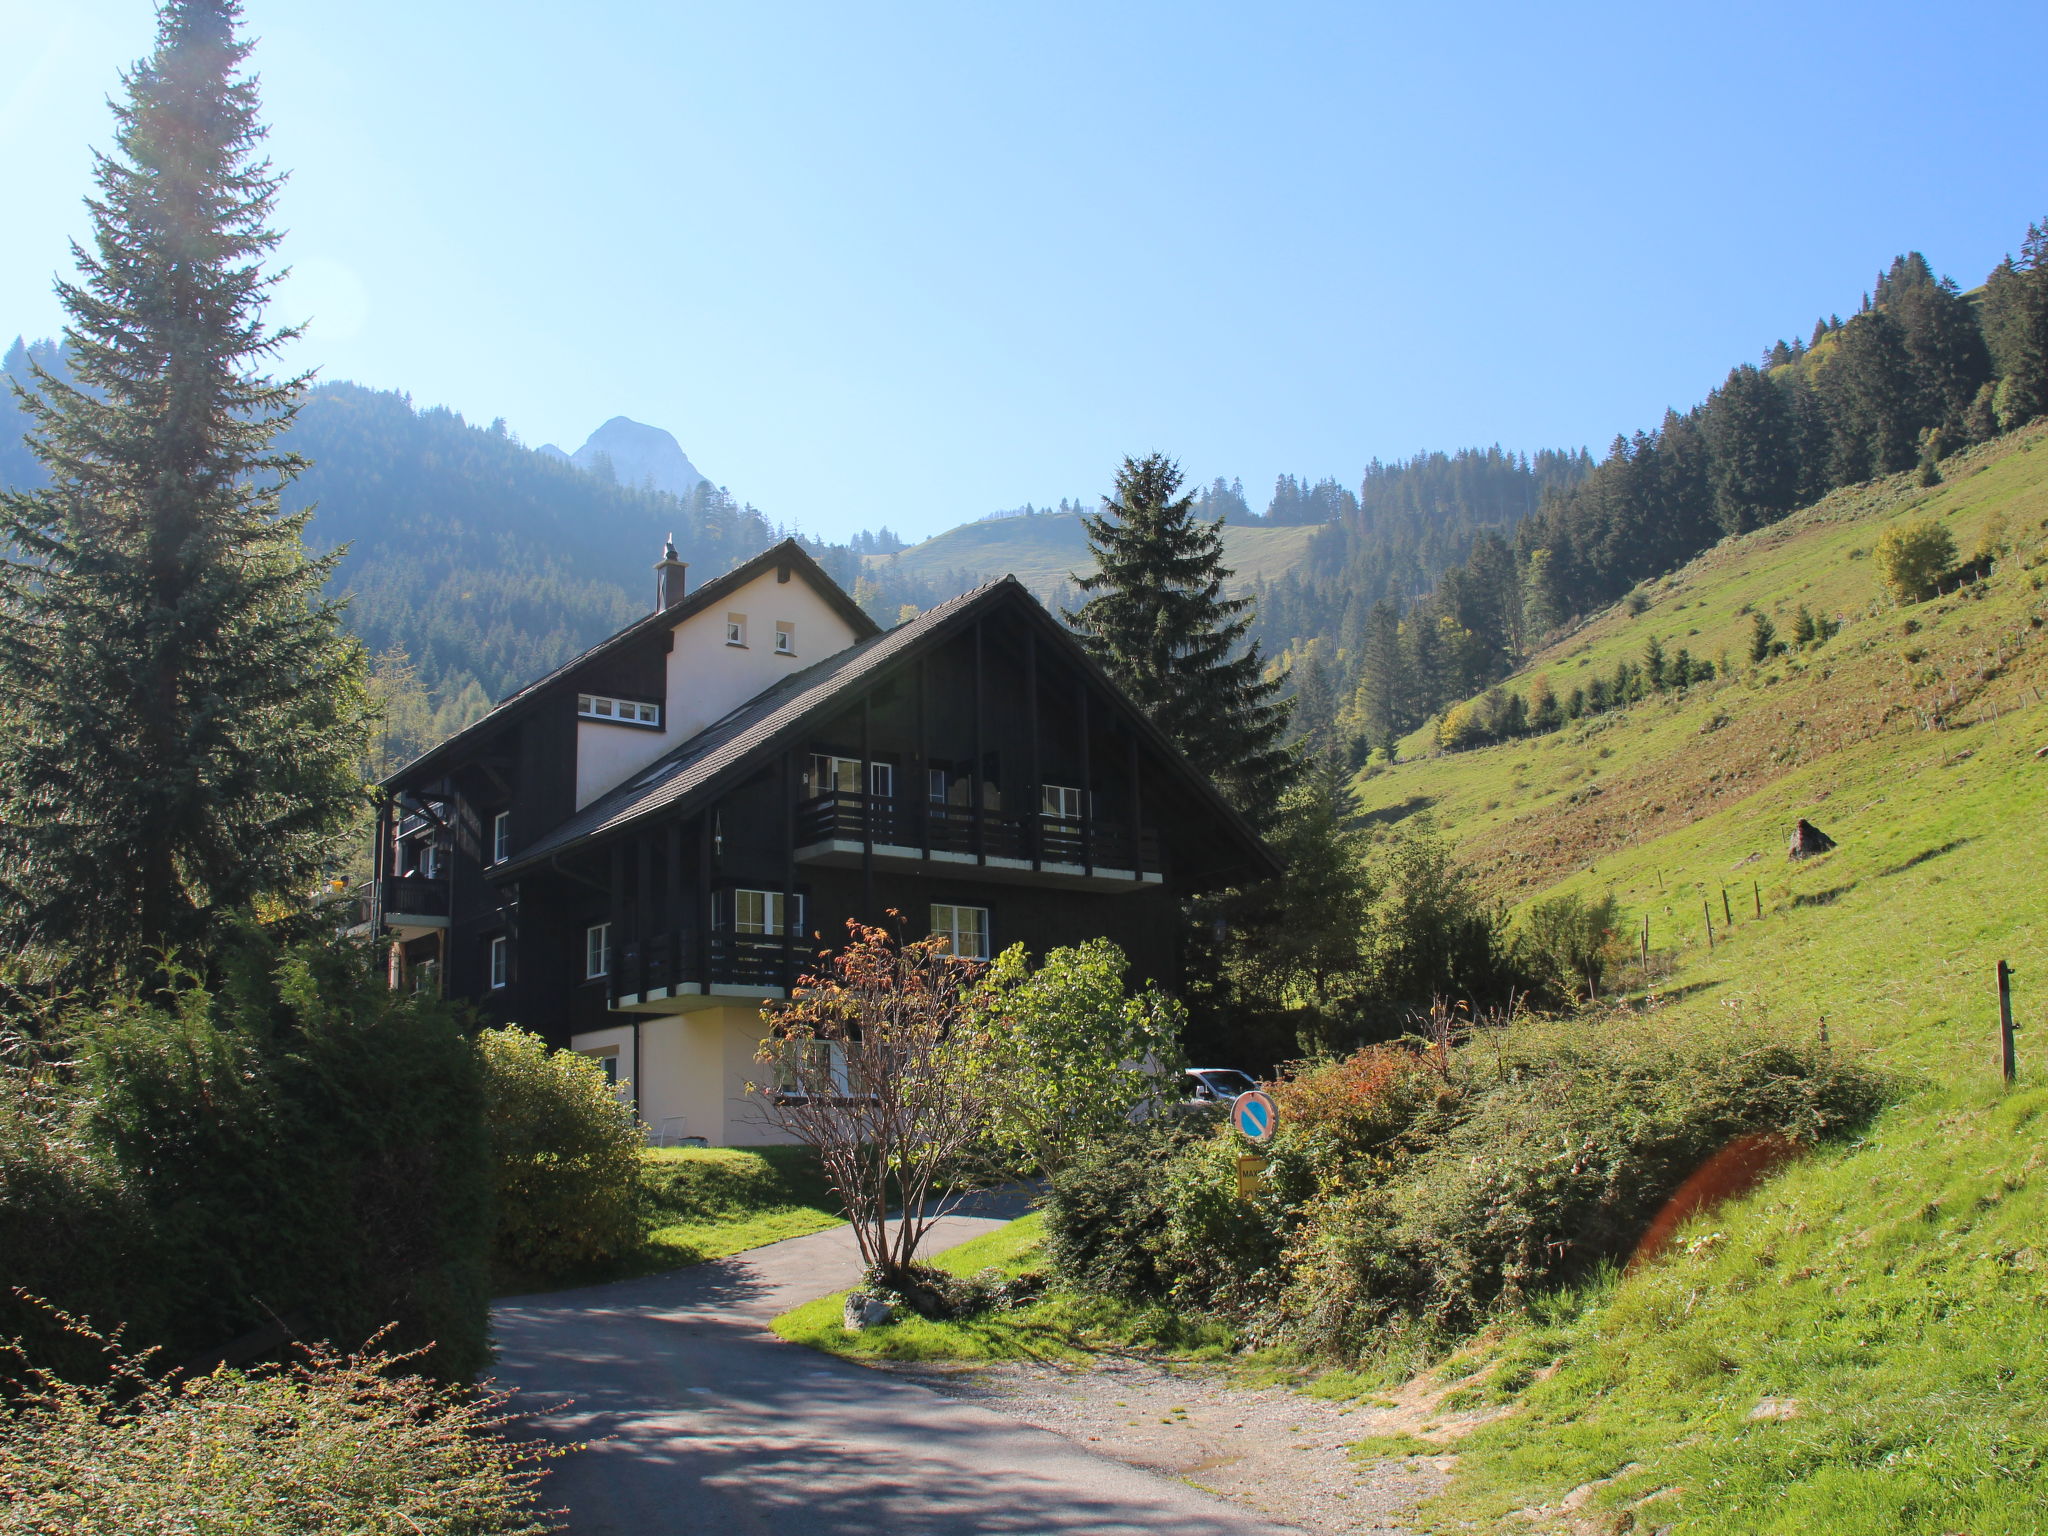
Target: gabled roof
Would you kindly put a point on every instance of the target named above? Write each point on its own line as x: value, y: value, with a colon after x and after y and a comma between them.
x: 711, y: 593
x: 705, y: 764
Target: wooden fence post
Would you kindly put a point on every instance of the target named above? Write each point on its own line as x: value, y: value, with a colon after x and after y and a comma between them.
x: 1707, y: 911
x: 1756, y: 891
x: 1727, y: 916
x: 2005, y: 1052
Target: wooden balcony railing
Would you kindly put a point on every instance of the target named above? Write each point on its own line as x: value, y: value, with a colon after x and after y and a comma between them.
x: 414, y: 896
x: 677, y: 960
x: 842, y: 816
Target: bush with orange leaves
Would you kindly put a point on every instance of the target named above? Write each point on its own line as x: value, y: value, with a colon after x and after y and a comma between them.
x: 1365, y: 1101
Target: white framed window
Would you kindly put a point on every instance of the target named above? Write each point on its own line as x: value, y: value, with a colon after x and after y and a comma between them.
x: 764, y: 912
x: 598, y: 706
x: 426, y: 977
x: 935, y: 785
x: 501, y: 837
x: 882, y: 780
x: 964, y: 928
x: 597, y: 951
x: 785, y: 638
x: 1059, y: 802
x: 501, y: 962
x: 735, y: 629
x: 608, y: 1060
x: 429, y: 867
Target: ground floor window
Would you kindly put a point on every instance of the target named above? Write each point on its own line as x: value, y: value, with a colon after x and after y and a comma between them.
x: 501, y: 962
x: 964, y: 928
x: 597, y: 951
x: 607, y: 1060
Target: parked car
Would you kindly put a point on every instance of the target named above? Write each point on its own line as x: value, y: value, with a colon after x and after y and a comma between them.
x: 1217, y: 1085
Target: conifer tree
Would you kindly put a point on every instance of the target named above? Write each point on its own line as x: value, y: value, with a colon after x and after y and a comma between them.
x: 1157, y: 620
x: 2016, y: 327
x: 187, y: 717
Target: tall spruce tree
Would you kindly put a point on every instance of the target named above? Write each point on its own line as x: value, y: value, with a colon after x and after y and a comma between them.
x: 1157, y: 620
x: 185, y: 713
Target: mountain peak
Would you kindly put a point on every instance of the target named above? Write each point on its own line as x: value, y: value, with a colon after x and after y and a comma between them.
x: 638, y: 455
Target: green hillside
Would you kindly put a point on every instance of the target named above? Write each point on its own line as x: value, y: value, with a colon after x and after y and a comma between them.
x: 1042, y: 551
x: 1855, y: 1347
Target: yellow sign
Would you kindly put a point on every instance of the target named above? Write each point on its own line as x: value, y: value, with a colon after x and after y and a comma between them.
x: 1250, y: 1170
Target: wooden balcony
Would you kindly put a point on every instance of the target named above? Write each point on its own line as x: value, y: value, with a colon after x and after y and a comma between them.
x: 840, y: 829
x: 678, y: 971
x: 414, y: 901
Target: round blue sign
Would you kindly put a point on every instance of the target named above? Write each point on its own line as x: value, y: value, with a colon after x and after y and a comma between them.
x: 1253, y: 1114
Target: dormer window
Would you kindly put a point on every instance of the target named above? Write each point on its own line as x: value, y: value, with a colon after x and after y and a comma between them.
x: 735, y: 629
x: 785, y: 638
x: 597, y: 706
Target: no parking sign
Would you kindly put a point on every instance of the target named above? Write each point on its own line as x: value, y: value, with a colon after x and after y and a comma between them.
x: 1254, y: 1115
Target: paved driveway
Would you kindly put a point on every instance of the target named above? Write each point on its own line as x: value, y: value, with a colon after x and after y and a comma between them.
x: 703, y: 1421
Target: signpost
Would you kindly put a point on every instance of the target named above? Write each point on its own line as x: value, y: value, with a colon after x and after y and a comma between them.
x: 1254, y: 1116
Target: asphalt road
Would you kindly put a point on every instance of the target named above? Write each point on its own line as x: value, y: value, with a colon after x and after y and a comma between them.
x: 702, y: 1421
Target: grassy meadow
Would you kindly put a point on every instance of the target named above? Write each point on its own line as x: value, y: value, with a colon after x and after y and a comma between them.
x: 1855, y: 1346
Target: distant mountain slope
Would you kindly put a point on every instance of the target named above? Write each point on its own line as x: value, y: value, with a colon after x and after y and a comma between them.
x: 1043, y: 550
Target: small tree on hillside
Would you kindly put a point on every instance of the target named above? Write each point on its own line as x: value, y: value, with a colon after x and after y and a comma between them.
x: 186, y: 717
x: 877, y: 1063
x: 1912, y: 560
x: 1157, y: 620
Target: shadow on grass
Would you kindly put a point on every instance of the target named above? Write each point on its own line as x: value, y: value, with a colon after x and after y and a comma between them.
x: 1924, y: 855
x: 1387, y: 815
x: 1826, y: 898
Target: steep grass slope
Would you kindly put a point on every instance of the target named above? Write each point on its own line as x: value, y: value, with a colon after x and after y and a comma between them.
x: 1857, y: 1346
x: 1042, y: 552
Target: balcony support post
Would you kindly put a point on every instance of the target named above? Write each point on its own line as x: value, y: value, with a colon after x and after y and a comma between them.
x: 867, y: 800
x: 1087, y: 784
x: 977, y: 809
x: 1137, y: 809
x: 788, y: 871
x: 923, y: 786
x: 618, y: 919
x: 1034, y: 793
x: 643, y: 911
x: 672, y: 905
x: 705, y: 822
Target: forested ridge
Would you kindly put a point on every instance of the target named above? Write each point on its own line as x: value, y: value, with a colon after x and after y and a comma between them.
x: 478, y: 559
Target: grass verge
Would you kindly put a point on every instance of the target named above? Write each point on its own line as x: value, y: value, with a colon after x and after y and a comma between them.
x: 707, y: 1202
x: 1062, y: 1326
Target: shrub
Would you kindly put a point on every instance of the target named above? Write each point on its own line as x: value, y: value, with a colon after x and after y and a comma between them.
x: 565, y: 1155
x: 1568, y: 944
x: 301, y: 1143
x: 1402, y: 1198
x: 341, y: 1443
x: 1106, y: 1208
x: 1911, y: 560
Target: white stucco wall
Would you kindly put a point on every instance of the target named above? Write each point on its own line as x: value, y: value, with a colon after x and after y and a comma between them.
x: 696, y: 1066
x: 708, y: 679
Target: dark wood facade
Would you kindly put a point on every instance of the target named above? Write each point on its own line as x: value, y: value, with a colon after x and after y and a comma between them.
x: 973, y: 761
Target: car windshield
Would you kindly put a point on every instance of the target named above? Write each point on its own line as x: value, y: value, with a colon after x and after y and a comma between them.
x: 1227, y: 1080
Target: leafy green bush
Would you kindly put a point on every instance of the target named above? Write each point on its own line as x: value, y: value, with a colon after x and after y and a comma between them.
x: 565, y: 1151
x: 1911, y: 560
x: 300, y: 1143
x: 1568, y: 943
x: 331, y: 1443
x: 1402, y: 1194
x: 1106, y: 1210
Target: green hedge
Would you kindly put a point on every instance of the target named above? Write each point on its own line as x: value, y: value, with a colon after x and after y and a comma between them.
x: 299, y: 1144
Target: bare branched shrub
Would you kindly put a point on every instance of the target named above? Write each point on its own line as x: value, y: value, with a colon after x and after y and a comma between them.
x: 878, y: 1063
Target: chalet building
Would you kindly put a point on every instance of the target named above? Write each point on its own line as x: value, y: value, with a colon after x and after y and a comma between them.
x: 633, y: 853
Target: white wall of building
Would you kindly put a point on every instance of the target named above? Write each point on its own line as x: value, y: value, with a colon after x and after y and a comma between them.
x: 708, y: 679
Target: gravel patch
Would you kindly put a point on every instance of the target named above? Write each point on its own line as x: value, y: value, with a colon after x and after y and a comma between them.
x: 1271, y: 1449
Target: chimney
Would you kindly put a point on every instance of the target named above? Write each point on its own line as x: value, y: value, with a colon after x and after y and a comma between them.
x: 669, y: 572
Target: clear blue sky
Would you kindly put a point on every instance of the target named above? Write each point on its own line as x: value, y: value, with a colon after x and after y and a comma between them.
x: 913, y: 263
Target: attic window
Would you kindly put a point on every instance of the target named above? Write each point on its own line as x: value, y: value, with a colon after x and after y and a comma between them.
x: 596, y: 706
x: 785, y: 639
x: 735, y: 629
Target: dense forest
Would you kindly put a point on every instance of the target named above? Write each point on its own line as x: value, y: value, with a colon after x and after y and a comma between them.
x: 473, y: 566
x: 1920, y: 371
